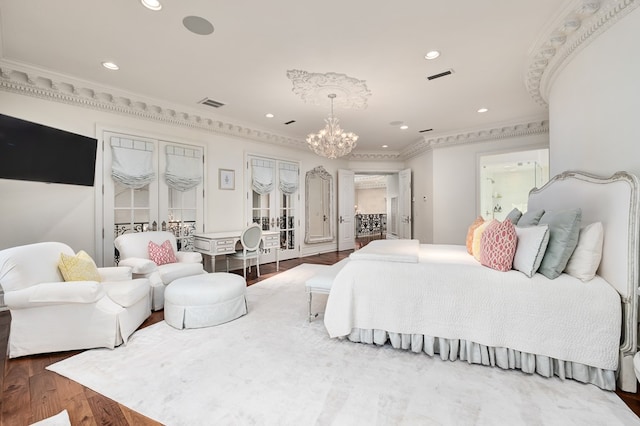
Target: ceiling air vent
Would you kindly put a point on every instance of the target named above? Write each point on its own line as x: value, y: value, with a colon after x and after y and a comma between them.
x: 442, y: 74
x: 290, y: 122
x: 425, y: 130
x: 211, y: 103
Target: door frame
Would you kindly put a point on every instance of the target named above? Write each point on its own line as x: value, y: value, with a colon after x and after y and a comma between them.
x: 387, y: 172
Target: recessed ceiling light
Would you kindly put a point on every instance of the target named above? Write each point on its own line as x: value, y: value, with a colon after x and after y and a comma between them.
x: 481, y: 110
x: 110, y: 66
x: 151, y: 4
x: 269, y: 115
x: 385, y: 146
x: 404, y: 127
x: 432, y: 55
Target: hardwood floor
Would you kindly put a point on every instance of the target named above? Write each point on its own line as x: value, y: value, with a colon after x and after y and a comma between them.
x: 29, y: 392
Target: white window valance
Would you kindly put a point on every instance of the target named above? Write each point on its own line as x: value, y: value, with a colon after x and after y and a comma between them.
x: 132, y: 162
x: 184, y: 167
x: 288, y: 178
x: 262, y: 175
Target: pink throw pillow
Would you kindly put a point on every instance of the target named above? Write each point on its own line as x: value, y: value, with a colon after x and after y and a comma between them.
x: 498, y: 246
x: 161, y: 254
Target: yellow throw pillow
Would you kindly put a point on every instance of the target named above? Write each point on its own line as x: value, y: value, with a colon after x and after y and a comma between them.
x: 80, y: 267
x: 469, y: 242
x: 477, y: 238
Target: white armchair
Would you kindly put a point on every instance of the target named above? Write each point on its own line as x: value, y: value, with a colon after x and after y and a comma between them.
x: 50, y: 315
x: 134, y: 252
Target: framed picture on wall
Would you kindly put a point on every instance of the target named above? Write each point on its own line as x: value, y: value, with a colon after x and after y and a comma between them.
x: 226, y: 179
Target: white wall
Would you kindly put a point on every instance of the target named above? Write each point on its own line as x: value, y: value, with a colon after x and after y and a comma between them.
x: 371, y: 200
x: 422, y: 192
x: 594, y: 105
x: 34, y: 212
x: 455, y: 188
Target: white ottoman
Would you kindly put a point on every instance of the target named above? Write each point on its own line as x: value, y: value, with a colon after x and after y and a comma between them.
x: 204, y: 300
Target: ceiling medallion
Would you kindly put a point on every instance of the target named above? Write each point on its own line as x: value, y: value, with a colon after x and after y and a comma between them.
x: 314, y: 88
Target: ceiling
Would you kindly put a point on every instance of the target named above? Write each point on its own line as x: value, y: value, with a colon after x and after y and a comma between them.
x: 244, y: 62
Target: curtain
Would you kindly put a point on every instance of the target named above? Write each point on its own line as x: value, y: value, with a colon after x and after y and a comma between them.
x: 262, y: 175
x: 288, y: 178
x: 184, y: 168
x: 132, y: 162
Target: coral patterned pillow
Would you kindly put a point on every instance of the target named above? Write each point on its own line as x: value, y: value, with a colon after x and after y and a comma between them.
x: 477, y: 238
x: 479, y: 221
x: 498, y: 246
x: 161, y: 254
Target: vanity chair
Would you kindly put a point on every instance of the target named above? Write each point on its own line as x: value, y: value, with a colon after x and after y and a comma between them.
x: 250, y: 239
x: 134, y: 252
x: 94, y: 308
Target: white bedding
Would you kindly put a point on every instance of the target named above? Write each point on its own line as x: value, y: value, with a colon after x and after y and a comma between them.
x: 448, y: 294
x: 389, y: 251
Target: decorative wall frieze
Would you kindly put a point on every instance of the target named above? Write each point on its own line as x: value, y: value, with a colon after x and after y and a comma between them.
x: 506, y: 131
x: 375, y: 156
x: 58, y: 89
x: 314, y: 88
x: 581, y: 23
x: 30, y: 84
x: 370, y: 181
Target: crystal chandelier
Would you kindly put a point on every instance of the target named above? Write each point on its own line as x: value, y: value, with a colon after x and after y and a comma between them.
x: 332, y: 141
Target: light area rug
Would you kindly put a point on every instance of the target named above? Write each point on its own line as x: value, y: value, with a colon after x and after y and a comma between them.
x: 60, y: 419
x: 273, y: 367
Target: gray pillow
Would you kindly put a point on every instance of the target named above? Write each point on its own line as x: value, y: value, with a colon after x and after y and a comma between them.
x: 530, y: 218
x: 514, y: 216
x: 564, y: 229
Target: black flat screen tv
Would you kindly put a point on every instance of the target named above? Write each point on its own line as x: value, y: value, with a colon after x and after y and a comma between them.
x: 31, y: 151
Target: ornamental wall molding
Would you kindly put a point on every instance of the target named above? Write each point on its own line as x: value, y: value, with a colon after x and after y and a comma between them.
x: 30, y: 83
x: 314, y: 89
x: 375, y: 156
x: 531, y: 127
x: 370, y: 182
x: 81, y: 94
x: 581, y: 23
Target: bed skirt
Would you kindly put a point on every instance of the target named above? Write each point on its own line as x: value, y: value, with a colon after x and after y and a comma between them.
x: 475, y: 353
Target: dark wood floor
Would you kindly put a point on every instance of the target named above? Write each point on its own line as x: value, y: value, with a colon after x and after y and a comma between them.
x: 29, y: 392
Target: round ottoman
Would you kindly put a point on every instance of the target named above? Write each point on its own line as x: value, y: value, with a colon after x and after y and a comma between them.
x: 204, y: 300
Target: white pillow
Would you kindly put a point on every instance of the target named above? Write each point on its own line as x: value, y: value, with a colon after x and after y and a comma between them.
x: 532, y: 244
x: 585, y: 260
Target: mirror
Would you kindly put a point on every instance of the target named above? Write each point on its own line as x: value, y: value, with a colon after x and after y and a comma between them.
x: 319, y: 206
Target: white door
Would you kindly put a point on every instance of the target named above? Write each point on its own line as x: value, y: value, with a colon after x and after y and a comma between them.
x: 273, y: 202
x: 404, y: 204
x: 346, y: 210
x: 154, y: 205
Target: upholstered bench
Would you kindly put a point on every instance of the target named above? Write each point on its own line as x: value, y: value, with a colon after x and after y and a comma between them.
x: 322, y: 281
x: 205, y: 300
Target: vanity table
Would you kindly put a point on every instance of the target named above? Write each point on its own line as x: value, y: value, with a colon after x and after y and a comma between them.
x: 222, y: 243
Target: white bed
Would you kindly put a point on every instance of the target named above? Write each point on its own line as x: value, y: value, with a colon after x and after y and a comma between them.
x: 438, y: 299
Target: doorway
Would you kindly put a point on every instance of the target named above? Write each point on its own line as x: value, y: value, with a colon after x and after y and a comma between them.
x: 506, y: 179
x: 383, y: 205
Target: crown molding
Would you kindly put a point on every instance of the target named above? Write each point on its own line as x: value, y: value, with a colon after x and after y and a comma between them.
x: 530, y: 127
x: 580, y: 23
x: 60, y: 89
x: 370, y: 182
x: 63, y: 89
x: 375, y: 156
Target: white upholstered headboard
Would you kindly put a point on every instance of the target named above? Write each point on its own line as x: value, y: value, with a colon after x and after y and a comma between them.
x: 614, y: 202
